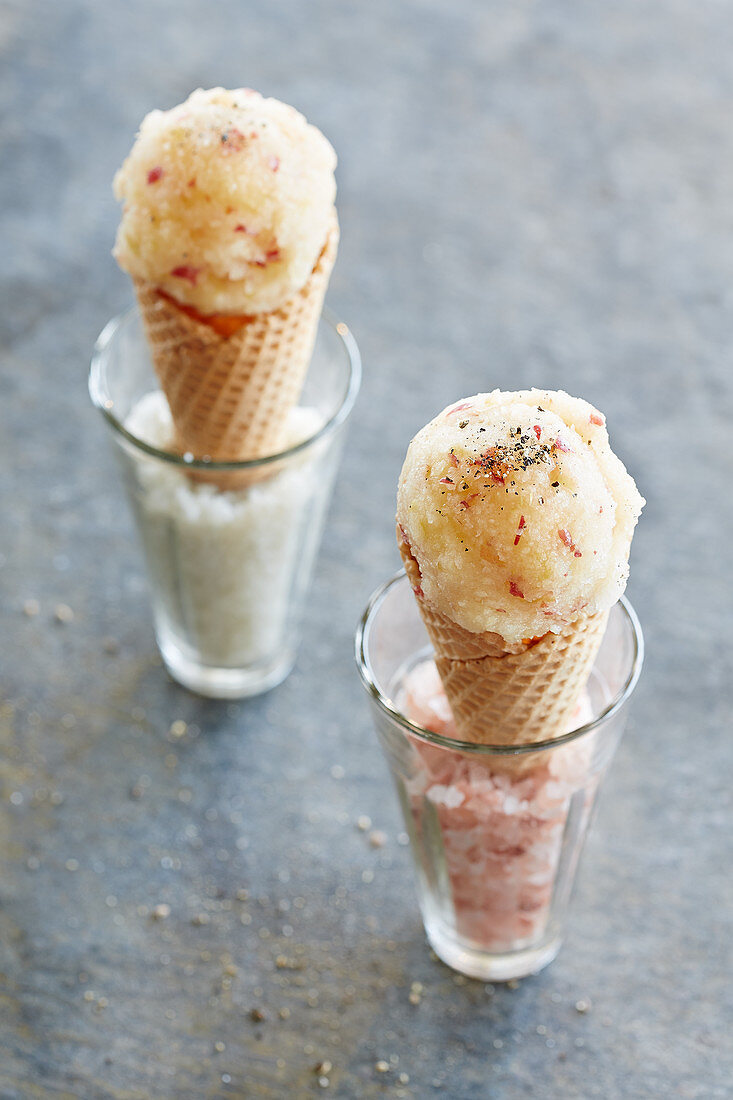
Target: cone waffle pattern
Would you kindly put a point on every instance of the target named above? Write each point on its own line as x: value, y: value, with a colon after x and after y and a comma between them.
x: 230, y: 395
x: 504, y: 697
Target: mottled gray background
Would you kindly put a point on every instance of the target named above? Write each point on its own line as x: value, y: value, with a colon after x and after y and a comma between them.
x: 530, y: 193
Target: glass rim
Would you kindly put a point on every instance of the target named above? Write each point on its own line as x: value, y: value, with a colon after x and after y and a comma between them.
x: 368, y: 679
x: 105, y: 406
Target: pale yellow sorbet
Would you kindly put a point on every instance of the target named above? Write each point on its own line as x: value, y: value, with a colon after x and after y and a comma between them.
x: 518, y: 513
x: 227, y: 201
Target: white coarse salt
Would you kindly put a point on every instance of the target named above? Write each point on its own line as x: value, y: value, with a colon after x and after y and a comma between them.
x: 223, y: 562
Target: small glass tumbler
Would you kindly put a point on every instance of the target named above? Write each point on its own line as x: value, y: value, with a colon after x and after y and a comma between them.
x: 228, y: 569
x: 496, y: 831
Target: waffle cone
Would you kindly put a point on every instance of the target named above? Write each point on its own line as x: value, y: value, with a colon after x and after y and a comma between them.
x: 231, y: 381
x: 502, y: 694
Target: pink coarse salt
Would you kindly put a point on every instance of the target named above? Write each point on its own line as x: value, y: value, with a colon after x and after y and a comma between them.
x: 501, y: 835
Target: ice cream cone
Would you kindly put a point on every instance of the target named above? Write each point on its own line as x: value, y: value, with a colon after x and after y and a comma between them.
x: 508, y: 694
x: 231, y: 381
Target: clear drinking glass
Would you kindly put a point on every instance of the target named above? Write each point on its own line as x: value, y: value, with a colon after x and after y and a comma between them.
x: 495, y: 842
x: 228, y: 569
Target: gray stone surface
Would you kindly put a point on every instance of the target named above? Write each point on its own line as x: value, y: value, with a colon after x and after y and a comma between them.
x: 529, y: 194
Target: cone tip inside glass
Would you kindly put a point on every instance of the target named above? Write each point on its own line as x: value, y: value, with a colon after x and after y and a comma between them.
x: 381, y: 692
x: 127, y: 326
